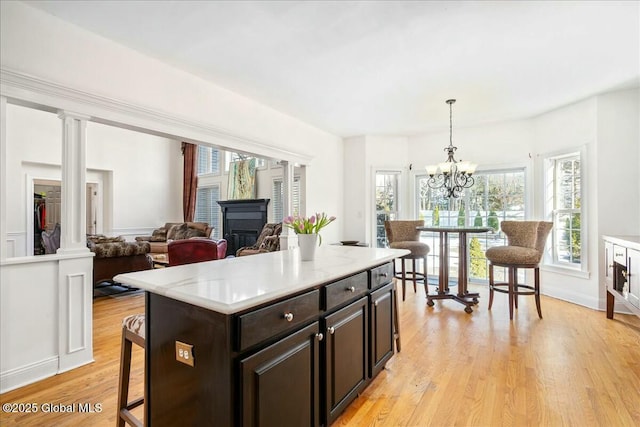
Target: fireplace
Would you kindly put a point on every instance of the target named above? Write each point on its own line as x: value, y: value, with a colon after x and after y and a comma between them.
x: 242, y: 222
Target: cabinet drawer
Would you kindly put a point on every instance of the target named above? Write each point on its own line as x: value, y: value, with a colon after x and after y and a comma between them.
x: 345, y: 290
x: 270, y: 321
x: 381, y: 275
x: 620, y: 255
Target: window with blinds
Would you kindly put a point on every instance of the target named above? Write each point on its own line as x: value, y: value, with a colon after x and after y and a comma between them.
x: 208, y: 160
x: 277, y: 196
x: 207, y: 208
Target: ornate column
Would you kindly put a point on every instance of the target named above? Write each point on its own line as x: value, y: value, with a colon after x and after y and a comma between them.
x: 74, y: 182
x: 288, y: 239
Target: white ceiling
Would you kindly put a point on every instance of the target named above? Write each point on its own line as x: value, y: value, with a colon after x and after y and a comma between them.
x: 354, y: 68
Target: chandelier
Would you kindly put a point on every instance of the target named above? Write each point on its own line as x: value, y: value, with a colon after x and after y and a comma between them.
x: 451, y: 176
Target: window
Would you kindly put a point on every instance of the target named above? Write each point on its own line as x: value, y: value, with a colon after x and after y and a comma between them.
x: 277, y: 198
x: 564, y: 208
x: 207, y: 208
x: 230, y: 156
x: 386, y: 197
x: 208, y: 160
x: 495, y: 196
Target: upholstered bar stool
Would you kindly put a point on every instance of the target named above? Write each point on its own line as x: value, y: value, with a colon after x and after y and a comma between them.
x: 404, y: 235
x: 526, y: 240
x: 133, y: 331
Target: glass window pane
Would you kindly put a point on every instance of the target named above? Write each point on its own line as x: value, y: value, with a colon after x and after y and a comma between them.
x: 495, y: 196
x: 386, y: 193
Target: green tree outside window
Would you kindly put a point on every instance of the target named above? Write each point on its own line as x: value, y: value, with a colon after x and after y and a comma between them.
x: 478, y: 261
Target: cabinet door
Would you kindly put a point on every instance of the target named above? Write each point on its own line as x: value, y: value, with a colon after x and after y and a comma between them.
x: 381, y: 343
x: 346, y: 354
x: 608, y: 272
x: 280, y: 384
x: 633, y: 276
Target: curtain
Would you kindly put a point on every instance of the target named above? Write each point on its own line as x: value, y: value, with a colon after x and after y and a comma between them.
x: 190, y: 180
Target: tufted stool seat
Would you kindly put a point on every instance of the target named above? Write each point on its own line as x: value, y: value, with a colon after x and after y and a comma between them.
x: 526, y: 241
x: 404, y: 235
x: 133, y: 331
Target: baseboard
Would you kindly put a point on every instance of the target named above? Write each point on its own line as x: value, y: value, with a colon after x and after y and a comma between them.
x: 574, y: 298
x: 24, y: 375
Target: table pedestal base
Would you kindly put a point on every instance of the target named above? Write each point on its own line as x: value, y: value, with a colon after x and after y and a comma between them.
x: 463, y: 296
x: 468, y: 299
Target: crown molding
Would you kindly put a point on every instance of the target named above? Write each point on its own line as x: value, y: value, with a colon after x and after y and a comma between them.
x: 27, y: 90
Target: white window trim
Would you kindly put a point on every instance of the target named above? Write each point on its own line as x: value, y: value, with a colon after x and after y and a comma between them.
x: 548, y: 264
x: 399, y: 201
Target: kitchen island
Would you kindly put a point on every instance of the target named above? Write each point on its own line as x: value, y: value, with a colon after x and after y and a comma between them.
x: 265, y: 339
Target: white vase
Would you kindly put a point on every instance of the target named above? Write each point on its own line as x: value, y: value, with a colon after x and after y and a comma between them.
x: 307, y: 244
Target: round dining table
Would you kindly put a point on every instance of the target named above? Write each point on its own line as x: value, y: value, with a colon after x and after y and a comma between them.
x: 463, y: 296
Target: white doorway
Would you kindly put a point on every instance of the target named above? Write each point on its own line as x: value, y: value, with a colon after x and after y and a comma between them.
x: 46, y: 197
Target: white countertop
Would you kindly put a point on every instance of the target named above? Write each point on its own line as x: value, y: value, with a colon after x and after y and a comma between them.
x: 236, y: 284
x: 632, y: 242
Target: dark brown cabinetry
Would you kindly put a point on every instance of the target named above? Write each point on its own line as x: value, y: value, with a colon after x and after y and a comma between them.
x: 283, y: 381
x: 297, y: 361
x: 346, y: 354
x: 622, y: 273
x: 381, y: 342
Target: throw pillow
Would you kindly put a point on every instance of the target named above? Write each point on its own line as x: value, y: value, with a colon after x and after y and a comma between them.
x: 270, y: 243
x: 194, y: 232
x: 177, y: 232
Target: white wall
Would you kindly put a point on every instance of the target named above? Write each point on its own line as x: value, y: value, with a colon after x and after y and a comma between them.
x: 147, y: 176
x: 491, y: 146
x: 362, y: 157
x: 106, y: 80
x: 618, y: 170
x: 357, y: 215
x: 144, y: 172
x: 570, y: 128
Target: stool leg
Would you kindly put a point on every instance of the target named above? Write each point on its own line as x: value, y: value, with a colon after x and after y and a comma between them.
x: 490, y: 286
x: 424, y: 273
x: 515, y: 287
x: 125, y: 370
x: 511, y: 284
x: 537, y: 290
x: 413, y: 266
x: 404, y: 284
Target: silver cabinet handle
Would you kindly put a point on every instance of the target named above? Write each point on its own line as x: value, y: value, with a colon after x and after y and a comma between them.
x: 288, y: 317
x: 331, y: 330
x: 375, y: 303
x: 319, y: 336
x: 351, y: 289
x: 383, y: 274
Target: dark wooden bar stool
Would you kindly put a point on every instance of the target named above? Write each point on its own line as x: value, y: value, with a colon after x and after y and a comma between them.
x: 133, y: 331
x: 404, y: 235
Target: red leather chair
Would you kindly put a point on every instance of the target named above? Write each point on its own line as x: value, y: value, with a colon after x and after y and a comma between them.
x: 189, y: 251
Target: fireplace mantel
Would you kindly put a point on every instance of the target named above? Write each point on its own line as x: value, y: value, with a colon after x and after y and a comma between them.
x: 242, y: 222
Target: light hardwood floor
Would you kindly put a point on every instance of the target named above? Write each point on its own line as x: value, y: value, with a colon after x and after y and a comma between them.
x: 573, y: 368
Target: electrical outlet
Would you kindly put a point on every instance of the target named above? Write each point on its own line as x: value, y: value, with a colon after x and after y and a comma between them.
x: 184, y: 353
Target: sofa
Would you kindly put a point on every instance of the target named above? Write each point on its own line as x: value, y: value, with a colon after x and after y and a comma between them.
x: 160, y: 237
x: 114, y: 255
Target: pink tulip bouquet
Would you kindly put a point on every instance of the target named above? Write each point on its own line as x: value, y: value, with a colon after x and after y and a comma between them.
x: 311, y: 225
